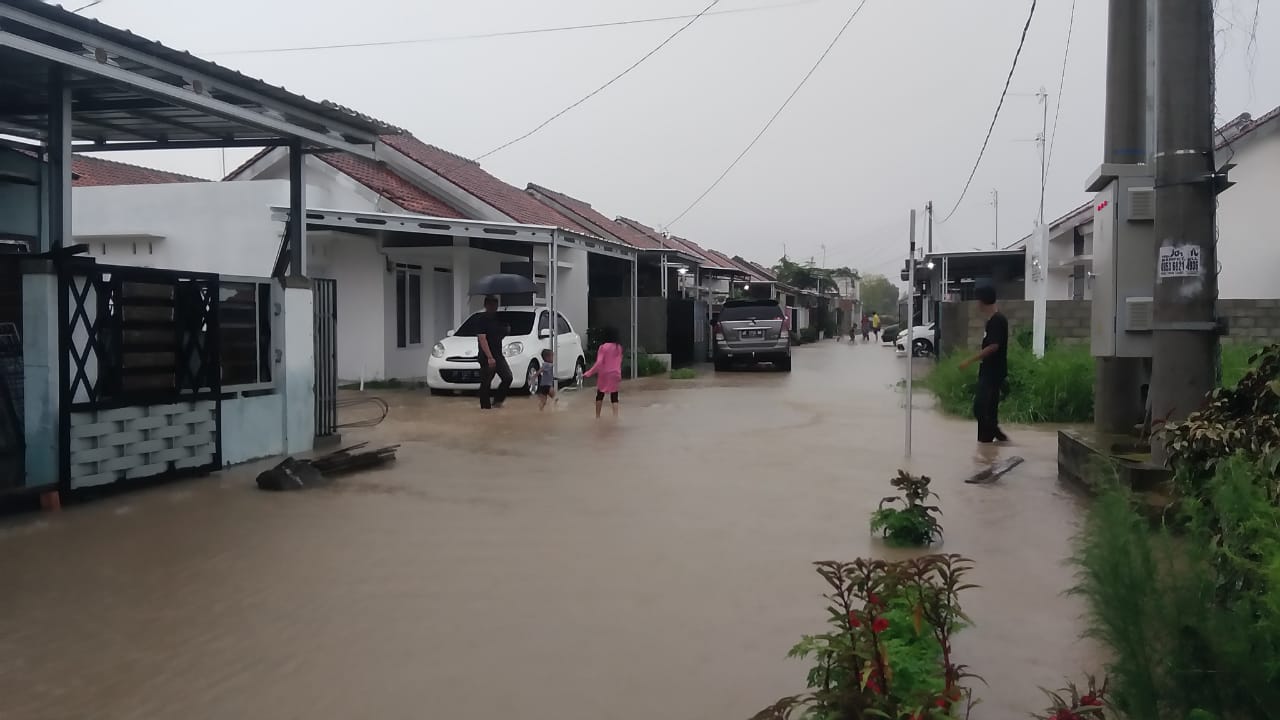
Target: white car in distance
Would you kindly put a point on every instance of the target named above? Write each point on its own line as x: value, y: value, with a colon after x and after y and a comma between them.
x: 454, y: 364
x: 922, y: 341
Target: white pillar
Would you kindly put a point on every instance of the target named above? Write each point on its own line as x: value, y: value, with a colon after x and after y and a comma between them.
x: 299, y: 382
x: 41, y: 380
x: 1040, y: 306
x: 461, y: 279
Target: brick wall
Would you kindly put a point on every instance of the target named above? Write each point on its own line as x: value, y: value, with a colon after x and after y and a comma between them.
x: 1252, y: 322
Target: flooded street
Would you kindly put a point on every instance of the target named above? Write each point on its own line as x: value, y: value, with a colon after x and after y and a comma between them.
x: 543, y: 567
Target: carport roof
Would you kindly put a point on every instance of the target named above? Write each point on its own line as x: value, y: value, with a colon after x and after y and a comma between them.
x: 129, y: 92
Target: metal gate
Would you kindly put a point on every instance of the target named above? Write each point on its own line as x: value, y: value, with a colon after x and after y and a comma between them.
x: 140, y: 373
x: 325, y: 303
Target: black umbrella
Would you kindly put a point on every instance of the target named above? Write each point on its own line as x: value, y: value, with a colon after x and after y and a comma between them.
x: 503, y: 284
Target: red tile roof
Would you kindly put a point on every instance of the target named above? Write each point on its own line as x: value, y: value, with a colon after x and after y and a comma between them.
x: 390, y: 185
x: 660, y: 241
x: 92, y: 172
x: 582, y: 212
x: 468, y: 175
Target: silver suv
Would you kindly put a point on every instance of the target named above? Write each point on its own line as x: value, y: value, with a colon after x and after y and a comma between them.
x: 752, y: 331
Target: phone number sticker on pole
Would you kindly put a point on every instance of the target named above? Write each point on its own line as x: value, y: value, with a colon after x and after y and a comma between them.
x: 1179, y: 261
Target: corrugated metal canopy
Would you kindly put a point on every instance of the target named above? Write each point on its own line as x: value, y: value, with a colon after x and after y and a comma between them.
x: 129, y: 92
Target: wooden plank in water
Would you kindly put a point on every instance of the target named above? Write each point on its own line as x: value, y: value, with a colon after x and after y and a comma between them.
x: 993, y: 473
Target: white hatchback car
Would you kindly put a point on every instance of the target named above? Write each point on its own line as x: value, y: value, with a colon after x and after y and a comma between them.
x: 922, y: 341
x: 453, y: 364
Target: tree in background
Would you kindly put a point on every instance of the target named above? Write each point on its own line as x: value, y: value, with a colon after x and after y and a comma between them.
x: 879, y: 295
x: 807, y: 276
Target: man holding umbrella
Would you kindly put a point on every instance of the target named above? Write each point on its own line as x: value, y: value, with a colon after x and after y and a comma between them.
x: 492, y: 361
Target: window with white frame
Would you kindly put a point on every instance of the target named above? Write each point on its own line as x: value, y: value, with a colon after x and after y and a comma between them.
x: 408, y: 305
x: 244, y: 326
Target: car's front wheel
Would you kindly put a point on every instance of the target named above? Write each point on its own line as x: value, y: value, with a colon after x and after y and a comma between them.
x: 921, y: 348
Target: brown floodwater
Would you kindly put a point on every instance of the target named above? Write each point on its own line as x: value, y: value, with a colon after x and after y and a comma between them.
x: 536, y: 566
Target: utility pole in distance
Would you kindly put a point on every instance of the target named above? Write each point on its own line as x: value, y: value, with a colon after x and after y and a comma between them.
x: 928, y: 209
x: 995, y: 203
x: 1185, y: 340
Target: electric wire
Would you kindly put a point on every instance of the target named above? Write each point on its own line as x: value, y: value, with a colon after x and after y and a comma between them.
x: 86, y: 6
x: 1062, y: 82
x: 383, y: 410
x: 509, y: 33
x: 1003, y: 94
x: 776, y: 114
x: 611, y: 81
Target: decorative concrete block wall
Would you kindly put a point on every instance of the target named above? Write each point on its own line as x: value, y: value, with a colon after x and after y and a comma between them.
x: 138, y: 442
x: 1251, y: 322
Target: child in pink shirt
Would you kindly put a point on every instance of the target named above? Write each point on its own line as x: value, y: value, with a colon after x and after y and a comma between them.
x: 609, y: 368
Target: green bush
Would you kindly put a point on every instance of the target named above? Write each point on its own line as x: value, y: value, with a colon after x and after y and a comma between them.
x: 646, y: 365
x: 1056, y: 388
x: 1191, y: 621
x: 683, y: 374
x: 1235, y: 361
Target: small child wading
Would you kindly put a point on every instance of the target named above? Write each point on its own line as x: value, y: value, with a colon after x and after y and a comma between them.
x: 547, y: 379
x: 608, y: 367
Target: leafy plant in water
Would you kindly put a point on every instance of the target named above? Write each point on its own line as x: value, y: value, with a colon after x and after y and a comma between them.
x: 888, y: 652
x: 1072, y: 703
x: 914, y: 523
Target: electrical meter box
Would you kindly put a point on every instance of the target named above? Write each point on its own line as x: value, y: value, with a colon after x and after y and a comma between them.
x: 1124, y: 257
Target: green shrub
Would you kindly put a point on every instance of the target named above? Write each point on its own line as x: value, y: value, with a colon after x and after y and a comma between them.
x: 1191, y: 621
x: 646, y: 365
x: 915, y: 523
x: 683, y: 374
x: 1056, y: 388
x: 1235, y: 361
x: 887, y: 651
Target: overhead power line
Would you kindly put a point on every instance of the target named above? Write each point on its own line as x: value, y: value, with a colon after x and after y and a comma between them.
x: 999, y: 106
x: 1062, y: 83
x: 509, y: 33
x: 776, y: 113
x: 86, y: 6
x: 611, y: 81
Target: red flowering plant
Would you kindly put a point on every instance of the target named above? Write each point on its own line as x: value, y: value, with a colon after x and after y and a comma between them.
x: 1072, y: 703
x: 888, y: 651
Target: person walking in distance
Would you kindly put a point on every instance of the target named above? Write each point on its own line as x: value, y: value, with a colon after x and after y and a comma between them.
x: 875, y: 325
x: 492, y: 361
x: 993, y: 370
x: 608, y: 366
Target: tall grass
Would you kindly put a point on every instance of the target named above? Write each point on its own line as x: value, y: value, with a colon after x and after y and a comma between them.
x: 1055, y: 388
x: 1235, y: 361
x: 1192, y: 620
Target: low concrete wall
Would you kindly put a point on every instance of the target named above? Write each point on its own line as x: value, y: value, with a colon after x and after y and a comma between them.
x: 1252, y: 322
x: 252, y: 428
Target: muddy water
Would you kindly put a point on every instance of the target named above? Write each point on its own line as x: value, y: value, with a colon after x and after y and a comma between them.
x: 653, y: 567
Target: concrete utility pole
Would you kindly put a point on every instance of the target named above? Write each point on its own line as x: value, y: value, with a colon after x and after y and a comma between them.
x: 928, y: 208
x: 995, y: 203
x: 1117, y: 397
x: 911, y: 321
x: 1040, y: 305
x: 1185, y: 343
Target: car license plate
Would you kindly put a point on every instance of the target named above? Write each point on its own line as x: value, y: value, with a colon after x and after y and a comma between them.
x: 753, y: 333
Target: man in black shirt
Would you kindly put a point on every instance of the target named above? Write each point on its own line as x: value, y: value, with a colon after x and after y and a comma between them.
x: 492, y: 360
x: 994, y: 369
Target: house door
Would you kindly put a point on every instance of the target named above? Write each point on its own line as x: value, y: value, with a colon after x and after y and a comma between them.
x: 441, y: 303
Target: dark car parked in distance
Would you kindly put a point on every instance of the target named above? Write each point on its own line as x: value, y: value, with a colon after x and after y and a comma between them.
x: 752, y: 331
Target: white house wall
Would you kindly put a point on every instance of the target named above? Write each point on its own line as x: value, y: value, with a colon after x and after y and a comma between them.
x: 359, y: 268
x: 209, y: 227
x: 1247, y: 247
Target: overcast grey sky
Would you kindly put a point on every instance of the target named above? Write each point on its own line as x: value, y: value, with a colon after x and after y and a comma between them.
x: 893, y: 118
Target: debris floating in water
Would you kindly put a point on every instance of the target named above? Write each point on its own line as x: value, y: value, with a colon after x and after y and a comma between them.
x: 294, y: 474
x: 994, y: 472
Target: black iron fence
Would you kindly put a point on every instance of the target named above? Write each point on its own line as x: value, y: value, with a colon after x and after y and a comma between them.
x: 325, y: 299
x: 141, y: 376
